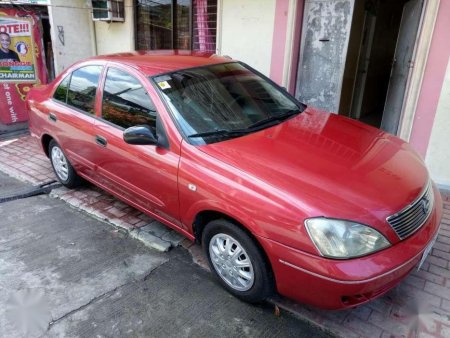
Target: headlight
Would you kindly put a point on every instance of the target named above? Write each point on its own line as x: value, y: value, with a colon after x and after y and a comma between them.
x: 344, y: 239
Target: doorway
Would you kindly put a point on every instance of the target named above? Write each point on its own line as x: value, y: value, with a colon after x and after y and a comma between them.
x: 48, y: 48
x: 379, y: 59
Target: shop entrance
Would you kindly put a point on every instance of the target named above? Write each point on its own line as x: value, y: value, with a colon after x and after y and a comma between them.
x: 356, y: 57
x: 382, y: 41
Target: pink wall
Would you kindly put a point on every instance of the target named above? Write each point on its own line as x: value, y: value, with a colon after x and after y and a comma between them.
x: 432, y: 81
x: 298, y: 24
x: 279, y: 41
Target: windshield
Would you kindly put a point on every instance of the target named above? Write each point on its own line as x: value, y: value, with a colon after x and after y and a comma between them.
x: 219, y: 102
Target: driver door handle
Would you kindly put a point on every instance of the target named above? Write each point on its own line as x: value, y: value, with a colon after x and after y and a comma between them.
x: 100, y: 140
x: 52, y: 117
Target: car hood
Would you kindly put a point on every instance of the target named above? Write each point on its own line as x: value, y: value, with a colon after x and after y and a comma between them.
x: 330, y: 165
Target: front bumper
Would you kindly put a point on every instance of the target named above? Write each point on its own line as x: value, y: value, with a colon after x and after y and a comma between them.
x: 339, y: 284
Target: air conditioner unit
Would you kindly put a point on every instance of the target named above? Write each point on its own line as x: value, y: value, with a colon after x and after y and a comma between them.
x: 108, y: 10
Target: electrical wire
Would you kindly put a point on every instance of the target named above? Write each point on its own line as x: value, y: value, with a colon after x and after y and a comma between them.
x: 12, y: 3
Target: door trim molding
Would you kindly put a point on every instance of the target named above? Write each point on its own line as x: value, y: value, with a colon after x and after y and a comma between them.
x: 415, y: 77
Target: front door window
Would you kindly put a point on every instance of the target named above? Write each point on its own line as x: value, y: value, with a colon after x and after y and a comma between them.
x: 126, y: 102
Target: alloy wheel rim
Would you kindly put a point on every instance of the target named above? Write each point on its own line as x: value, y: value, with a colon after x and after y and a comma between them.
x: 60, y: 163
x: 231, y: 262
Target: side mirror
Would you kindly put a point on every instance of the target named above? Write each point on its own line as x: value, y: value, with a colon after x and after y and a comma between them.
x: 139, y: 135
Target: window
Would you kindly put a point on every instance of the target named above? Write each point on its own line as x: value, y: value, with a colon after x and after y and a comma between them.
x: 204, y: 20
x: 109, y: 10
x: 83, y: 87
x: 176, y: 24
x: 125, y: 101
x: 61, y: 91
x: 155, y: 26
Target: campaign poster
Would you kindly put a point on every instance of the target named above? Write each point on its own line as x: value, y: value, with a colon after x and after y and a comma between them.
x: 16, y: 50
x: 21, y: 62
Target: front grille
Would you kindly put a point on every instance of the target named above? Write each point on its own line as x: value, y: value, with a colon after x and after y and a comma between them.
x: 411, y: 218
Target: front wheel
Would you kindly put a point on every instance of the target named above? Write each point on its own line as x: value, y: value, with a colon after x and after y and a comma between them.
x: 64, y: 171
x: 237, y: 262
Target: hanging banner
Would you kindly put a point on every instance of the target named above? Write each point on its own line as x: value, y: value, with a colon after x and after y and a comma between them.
x: 21, y: 62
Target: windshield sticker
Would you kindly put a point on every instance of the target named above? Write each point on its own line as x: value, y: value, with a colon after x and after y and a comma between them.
x: 164, y: 85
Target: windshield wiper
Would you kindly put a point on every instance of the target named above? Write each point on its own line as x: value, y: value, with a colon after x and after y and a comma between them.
x: 253, y: 127
x: 220, y: 132
x: 126, y: 90
x: 275, y: 118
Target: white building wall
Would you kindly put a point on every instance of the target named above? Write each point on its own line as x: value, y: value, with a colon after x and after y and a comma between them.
x: 75, y: 19
x: 115, y: 37
x: 245, y: 31
x: 438, y: 153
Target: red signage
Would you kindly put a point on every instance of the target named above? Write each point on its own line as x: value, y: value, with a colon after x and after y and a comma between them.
x: 21, y: 62
x: 14, y: 28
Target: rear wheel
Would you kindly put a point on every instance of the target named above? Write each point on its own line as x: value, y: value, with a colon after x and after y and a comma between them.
x: 61, y: 166
x: 237, y: 262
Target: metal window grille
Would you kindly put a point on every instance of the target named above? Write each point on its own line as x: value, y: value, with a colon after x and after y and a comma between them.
x: 204, y: 25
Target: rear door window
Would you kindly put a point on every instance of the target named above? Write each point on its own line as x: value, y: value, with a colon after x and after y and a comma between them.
x: 83, y: 87
x: 126, y: 103
x: 61, y: 92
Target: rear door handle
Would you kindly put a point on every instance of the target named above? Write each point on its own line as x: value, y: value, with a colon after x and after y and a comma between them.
x: 52, y: 117
x: 101, y: 140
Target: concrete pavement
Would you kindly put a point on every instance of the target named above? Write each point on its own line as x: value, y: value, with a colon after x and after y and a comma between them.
x: 65, y: 274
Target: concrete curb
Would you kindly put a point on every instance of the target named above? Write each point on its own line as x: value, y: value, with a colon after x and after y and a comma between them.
x: 146, y: 234
x: 150, y: 241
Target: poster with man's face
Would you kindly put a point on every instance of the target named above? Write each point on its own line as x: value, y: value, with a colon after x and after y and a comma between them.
x: 17, y: 59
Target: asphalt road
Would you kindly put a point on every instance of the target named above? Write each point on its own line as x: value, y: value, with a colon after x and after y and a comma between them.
x: 65, y: 274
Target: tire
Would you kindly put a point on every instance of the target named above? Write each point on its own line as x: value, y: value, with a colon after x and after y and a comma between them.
x: 247, y: 275
x: 62, y: 168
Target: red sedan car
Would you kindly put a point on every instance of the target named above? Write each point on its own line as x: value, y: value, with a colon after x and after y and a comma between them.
x: 283, y: 197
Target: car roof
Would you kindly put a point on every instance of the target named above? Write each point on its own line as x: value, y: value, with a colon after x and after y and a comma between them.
x: 164, y: 61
